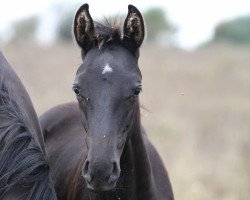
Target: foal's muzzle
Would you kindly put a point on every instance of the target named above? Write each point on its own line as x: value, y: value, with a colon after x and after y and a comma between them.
x: 101, y: 175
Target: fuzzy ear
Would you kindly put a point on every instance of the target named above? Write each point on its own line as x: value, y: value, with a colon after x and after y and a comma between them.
x: 133, y: 29
x: 84, y: 28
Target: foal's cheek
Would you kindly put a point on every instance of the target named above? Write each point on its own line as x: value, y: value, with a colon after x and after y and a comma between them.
x: 121, y: 141
x: 88, y: 142
x: 84, y: 117
x: 82, y: 105
x: 84, y: 122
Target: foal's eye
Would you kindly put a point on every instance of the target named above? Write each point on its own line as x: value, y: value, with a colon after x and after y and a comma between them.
x: 76, y: 90
x: 137, y: 90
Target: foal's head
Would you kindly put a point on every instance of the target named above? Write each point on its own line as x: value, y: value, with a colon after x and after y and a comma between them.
x: 107, y: 86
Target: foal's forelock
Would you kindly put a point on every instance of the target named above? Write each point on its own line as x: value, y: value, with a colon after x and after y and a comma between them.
x: 107, y: 34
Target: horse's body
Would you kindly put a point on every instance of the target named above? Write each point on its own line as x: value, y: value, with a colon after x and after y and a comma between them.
x: 24, y: 171
x: 100, y: 151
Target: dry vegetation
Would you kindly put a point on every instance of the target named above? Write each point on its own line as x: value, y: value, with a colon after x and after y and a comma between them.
x: 198, y: 102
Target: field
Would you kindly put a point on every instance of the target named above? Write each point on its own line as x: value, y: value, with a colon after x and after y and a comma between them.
x: 197, y: 109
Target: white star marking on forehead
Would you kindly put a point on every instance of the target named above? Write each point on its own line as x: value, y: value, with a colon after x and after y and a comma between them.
x: 107, y: 69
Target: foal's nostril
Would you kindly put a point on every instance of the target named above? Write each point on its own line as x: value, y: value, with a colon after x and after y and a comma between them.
x: 85, y: 171
x: 115, y: 168
x: 115, y: 173
x: 86, y: 167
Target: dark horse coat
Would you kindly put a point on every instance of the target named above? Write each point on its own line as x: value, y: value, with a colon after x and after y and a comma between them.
x: 24, y: 170
x: 97, y: 148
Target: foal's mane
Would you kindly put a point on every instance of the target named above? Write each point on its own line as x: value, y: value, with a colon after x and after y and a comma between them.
x: 22, y: 163
x: 107, y: 33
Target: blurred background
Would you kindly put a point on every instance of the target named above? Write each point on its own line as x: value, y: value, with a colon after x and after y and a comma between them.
x: 196, y: 80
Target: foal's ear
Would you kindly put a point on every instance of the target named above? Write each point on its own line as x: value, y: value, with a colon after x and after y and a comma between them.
x: 84, y: 28
x: 133, y: 29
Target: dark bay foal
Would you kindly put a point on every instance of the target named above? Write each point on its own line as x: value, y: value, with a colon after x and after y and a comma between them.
x: 97, y: 148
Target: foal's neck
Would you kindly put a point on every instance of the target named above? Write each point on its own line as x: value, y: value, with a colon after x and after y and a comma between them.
x: 137, y: 159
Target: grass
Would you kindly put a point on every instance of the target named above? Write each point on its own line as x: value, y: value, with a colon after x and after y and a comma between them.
x: 198, y: 102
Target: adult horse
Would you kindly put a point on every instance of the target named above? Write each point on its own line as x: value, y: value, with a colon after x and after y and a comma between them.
x: 24, y: 171
x: 101, y: 151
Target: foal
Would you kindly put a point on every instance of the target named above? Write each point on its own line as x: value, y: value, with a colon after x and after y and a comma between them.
x: 98, y: 149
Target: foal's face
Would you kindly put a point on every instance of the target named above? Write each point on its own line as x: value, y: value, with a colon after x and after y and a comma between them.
x: 107, y: 86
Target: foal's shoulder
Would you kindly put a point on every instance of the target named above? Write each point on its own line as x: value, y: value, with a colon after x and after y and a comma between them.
x: 60, y: 115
